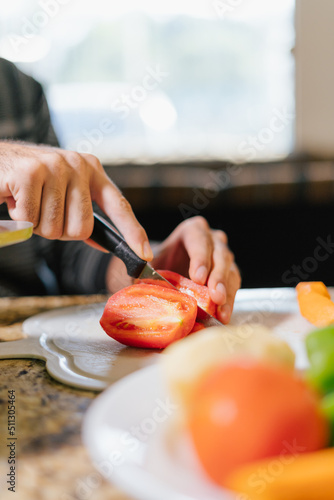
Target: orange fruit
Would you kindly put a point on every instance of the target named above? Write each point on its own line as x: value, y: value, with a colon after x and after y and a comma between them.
x: 247, y: 410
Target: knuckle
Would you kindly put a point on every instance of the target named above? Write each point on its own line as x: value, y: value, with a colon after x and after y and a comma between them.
x: 74, y: 159
x: 86, y: 207
x: 55, y: 163
x: 197, y: 221
x: 141, y: 234
x: 201, y: 222
x: 35, y: 171
x: 50, y: 231
x: 235, y: 269
x: 238, y: 280
x: 86, y: 232
x: 55, y: 158
x: 53, y: 219
x: 122, y: 205
x: 31, y: 212
x: 235, y: 274
x: 56, y: 190
x: 92, y: 160
x: 55, y: 201
x: 79, y: 219
x: 88, y: 157
x: 53, y: 231
x: 79, y: 232
x: 84, y: 222
x: 56, y: 234
x: 221, y: 236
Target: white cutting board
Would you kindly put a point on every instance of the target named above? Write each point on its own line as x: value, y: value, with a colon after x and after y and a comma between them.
x: 79, y: 353
x: 76, y: 349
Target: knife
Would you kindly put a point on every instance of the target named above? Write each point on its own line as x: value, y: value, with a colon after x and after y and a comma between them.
x: 106, y: 236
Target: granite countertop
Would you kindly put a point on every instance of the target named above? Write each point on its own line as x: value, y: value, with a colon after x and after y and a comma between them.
x: 52, y: 462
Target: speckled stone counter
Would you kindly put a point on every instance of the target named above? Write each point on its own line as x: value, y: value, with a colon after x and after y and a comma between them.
x: 51, y: 462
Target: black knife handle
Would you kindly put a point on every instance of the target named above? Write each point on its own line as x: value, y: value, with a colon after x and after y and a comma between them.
x: 104, y: 235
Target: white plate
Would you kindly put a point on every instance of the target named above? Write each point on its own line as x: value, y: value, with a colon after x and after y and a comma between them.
x: 126, y: 433
x: 126, y: 427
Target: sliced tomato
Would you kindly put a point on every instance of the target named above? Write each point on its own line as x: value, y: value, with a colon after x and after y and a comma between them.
x: 200, y: 292
x: 145, y: 315
x: 197, y: 327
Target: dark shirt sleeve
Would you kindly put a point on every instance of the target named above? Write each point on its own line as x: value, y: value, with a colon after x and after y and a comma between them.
x: 77, y: 267
x: 53, y: 266
x: 24, y: 113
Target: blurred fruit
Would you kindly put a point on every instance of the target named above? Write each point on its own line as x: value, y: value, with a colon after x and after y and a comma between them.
x: 307, y: 476
x: 327, y: 407
x: 248, y: 410
x: 315, y: 303
x: 184, y: 362
x: 320, y: 351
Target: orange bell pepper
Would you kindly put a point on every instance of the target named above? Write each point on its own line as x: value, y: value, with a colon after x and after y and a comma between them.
x: 315, y: 303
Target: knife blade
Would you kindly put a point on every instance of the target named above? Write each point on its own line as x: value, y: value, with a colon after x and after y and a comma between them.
x: 107, y: 237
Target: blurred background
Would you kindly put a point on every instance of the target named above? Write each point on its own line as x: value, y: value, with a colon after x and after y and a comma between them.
x: 220, y: 108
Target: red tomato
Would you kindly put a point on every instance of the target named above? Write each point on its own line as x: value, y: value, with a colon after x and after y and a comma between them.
x: 246, y: 411
x: 199, y: 292
x: 197, y: 327
x: 150, y: 316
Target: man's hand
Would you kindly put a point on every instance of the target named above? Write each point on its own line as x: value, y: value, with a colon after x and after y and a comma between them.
x: 194, y: 249
x: 54, y: 189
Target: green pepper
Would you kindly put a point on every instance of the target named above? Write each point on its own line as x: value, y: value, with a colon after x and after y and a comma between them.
x: 320, y: 351
x: 327, y: 407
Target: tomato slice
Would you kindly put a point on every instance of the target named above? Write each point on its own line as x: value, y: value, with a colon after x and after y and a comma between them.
x: 200, y: 292
x: 197, y: 327
x: 145, y: 315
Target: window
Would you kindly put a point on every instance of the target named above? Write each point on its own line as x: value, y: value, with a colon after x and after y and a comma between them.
x: 143, y: 79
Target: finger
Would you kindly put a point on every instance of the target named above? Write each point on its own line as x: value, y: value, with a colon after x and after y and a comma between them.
x: 125, y: 220
x: 224, y: 311
x: 51, y: 223
x: 113, y: 203
x: 75, y: 199
x: 197, y: 240
x: 222, y: 259
x: 78, y: 221
x: 24, y: 202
